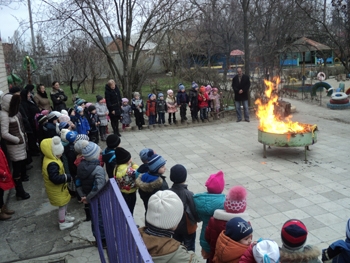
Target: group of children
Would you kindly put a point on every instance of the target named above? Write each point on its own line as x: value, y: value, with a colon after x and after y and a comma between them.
x: 203, y: 100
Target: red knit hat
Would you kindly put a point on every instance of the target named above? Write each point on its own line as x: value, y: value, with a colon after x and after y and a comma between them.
x: 215, y: 183
x: 293, y: 234
x: 236, y: 200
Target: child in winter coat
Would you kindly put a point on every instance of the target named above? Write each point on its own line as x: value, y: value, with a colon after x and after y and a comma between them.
x: 215, y: 102
x: 154, y: 180
x: 91, y: 179
x: 206, y: 203
x: 81, y: 122
x: 94, y: 123
x: 137, y: 107
x: 193, y: 101
x: 339, y: 251
x: 294, y: 250
x: 171, y: 106
x: 56, y: 179
x: 102, y: 112
x: 108, y: 155
x: 126, y: 113
x: 235, y: 205
x: 182, y: 100
x: 185, y: 232
x: 151, y: 109
x: 233, y: 241
x: 203, y: 103
x: 124, y: 173
x: 49, y: 128
x: 161, y: 108
x: 265, y: 251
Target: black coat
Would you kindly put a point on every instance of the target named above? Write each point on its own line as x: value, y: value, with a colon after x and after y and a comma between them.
x: 193, y: 98
x: 243, y: 85
x: 58, y: 104
x: 113, y: 100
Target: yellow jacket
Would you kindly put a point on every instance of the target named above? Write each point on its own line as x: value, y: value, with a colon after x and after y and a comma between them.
x: 58, y: 193
x: 125, y: 176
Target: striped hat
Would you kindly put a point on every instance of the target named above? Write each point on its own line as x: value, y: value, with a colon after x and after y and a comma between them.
x: 155, y: 162
x: 90, y: 150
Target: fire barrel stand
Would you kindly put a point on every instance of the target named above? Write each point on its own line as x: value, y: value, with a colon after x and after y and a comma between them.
x: 288, y: 139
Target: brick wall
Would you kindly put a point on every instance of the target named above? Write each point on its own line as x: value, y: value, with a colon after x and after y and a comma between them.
x: 3, y: 77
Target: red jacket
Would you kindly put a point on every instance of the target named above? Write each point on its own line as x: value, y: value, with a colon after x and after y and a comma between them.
x: 248, y: 256
x: 217, y: 223
x: 203, y: 100
x: 151, y: 107
x: 228, y: 250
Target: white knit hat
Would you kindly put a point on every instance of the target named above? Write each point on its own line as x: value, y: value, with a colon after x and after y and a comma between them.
x: 266, y: 251
x: 165, y: 210
x: 57, y: 147
x: 90, y: 150
x: 64, y: 134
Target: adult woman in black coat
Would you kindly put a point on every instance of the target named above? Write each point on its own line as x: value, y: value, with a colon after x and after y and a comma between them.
x: 58, y: 97
x: 114, y: 103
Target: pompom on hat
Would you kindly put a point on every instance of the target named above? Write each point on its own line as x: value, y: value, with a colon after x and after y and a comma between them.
x: 144, y: 154
x: 122, y: 156
x: 215, y: 183
x: 64, y: 112
x: 90, y: 150
x: 266, y: 251
x: 181, y: 86
x: 293, y: 234
x: 112, y: 141
x: 57, y: 147
x: 63, y: 135
x: 194, y: 85
x: 155, y: 162
x: 178, y: 174
x: 237, y: 228
x: 236, y: 200
x: 165, y: 210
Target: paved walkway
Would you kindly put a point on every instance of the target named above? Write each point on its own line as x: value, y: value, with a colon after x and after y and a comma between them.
x: 280, y: 187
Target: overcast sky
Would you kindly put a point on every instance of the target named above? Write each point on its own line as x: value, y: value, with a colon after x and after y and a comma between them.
x: 11, y: 16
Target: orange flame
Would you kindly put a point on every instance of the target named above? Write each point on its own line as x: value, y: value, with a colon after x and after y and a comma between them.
x: 265, y: 113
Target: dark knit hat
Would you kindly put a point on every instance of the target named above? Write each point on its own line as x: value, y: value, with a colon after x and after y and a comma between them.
x: 122, y: 156
x: 79, y: 102
x: 293, y: 234
x: 14, y: 90
x: 41, y: 119
x: 63, y: 125
x: 155, y: 162
x: 237, y: 228
x: 98, y: 98
x: 113, y: 141
x: 51, y: 117
x: 70, y: 110
x: 91, y: 108
x: 144, y: 154
x: 178, y: 174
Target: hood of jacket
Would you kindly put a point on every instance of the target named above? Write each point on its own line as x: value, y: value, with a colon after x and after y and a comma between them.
x: 46, y: 148
x: 86, y: 168
x: 207, y: 203
x: 307, y: 255
x: 147, y: 182
x: 5, y: 102
x: 228, y: 250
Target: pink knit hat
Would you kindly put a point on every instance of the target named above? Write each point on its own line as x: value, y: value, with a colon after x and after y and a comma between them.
x: 236, y: 200
x: 215, y: 183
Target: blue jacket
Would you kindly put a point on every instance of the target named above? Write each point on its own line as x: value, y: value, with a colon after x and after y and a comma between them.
x: 338, y: 252
x: 206, y: 204
x: 82, y: 125
x: 108, y: 156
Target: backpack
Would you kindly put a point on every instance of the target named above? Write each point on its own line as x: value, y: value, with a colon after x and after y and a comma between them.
x: 6, y: 181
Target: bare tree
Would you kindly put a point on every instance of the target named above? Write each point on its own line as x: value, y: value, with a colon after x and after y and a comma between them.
x: 119, y: 19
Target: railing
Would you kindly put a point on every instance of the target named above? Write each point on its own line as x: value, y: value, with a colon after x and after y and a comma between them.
x: 124, y: 242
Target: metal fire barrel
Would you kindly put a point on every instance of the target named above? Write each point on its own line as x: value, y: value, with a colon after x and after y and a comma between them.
x: 287, y: 140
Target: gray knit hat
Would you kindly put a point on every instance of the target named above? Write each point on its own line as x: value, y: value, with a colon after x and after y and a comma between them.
x: 90, y: 150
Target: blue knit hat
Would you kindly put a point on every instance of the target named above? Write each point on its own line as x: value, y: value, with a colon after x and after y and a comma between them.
x: 181, y: 86
x: 144, y: 154
x: 155, y: 162
x: 160, y: 95
x: 237, y: 228
x: 71, y: 136
x: 79, y: 109
x: 79, y: 102
x: 194, y: 85
x: 63, y: 125
x: 90, y: 150
x: 150, y: 95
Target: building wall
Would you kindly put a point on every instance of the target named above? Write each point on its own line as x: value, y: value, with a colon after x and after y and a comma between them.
x: 3, y: 76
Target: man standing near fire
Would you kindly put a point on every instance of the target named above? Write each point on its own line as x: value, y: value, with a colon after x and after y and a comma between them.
x: 241, y: 85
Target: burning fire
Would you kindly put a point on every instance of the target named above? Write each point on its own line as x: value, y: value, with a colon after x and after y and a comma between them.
x: 268, y: 121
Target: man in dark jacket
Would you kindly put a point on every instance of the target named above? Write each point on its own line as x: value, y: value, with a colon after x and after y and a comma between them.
x: 241, y: 85
x: 114, y: 103
x: 58, y: 97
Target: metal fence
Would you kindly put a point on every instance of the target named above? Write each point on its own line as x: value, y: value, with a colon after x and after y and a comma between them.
x: 124, y: 242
